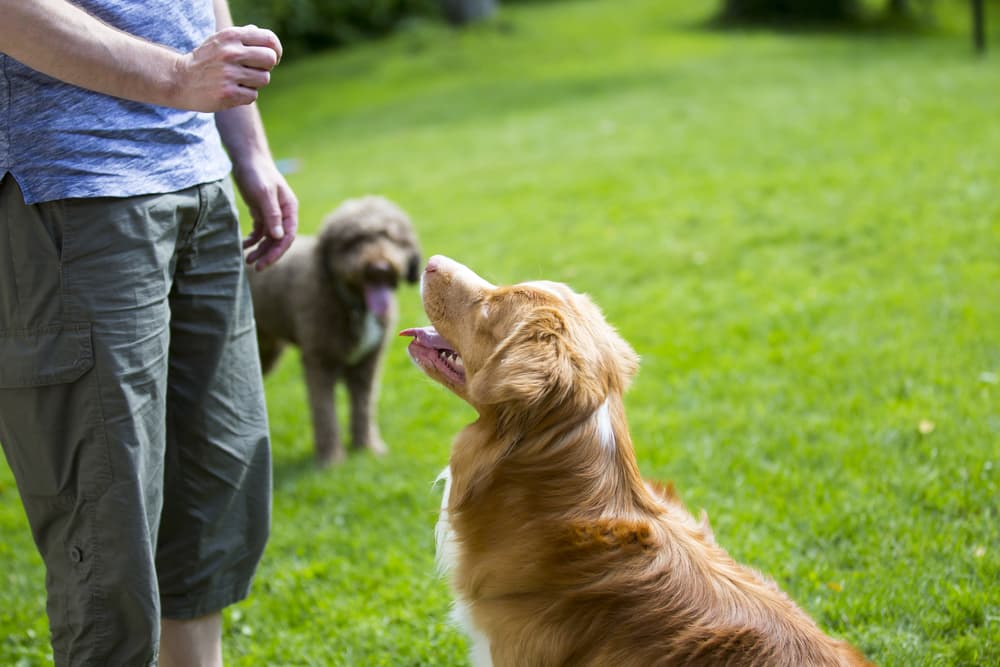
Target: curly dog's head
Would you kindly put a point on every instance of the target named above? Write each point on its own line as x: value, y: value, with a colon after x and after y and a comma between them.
x: 368, y: 245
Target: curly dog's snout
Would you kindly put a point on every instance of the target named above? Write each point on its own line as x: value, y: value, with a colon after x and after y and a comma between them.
x: 380, y: 273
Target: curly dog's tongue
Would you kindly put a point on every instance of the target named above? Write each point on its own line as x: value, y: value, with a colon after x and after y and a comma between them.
x: 378, y: 298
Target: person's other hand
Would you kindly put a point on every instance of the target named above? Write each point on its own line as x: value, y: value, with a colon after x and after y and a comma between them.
x: 227, y: 70
x: 274, y: 210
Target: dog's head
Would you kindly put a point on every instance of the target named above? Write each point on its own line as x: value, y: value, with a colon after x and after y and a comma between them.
x: 368, y: 245
x: 522, y: 353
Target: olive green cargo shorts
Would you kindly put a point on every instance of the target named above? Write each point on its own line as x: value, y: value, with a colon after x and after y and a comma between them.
x: 132, y: 411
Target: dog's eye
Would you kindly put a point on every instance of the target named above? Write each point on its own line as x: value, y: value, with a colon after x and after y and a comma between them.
x: 351, y: 243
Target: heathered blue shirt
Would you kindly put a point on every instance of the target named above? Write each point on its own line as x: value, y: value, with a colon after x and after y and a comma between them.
x: 61, y: 141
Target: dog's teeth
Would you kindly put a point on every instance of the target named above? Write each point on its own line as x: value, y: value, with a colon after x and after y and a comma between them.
x: 451, y: 358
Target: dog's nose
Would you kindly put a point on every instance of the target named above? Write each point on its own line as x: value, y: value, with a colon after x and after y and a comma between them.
x: 442, y: 263
x: 433, y: 263
x: 380, y: 272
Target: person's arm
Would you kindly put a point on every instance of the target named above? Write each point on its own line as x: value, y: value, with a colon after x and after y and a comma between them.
x: 58, y: 38
x: 273, y: 206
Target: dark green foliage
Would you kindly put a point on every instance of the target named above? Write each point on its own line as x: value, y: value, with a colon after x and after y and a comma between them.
x: 310, y: 25
x: 789, y: 10
x: 840, y: 11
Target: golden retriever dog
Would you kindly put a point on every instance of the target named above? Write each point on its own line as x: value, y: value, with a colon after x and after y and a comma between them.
x: 333, y: 296
x: 559, y: 553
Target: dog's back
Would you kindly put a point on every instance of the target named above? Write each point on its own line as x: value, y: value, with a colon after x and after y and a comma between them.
x: 285, y: 289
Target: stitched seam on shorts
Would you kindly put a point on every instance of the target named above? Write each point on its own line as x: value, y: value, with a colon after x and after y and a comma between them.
x: 186, y: 234
x: 97, y: 594
x: 189, y: 241
x: 100, y: 430
x: 16, y: 314
x: 203, y: 198
x: 5, y: 62
x: 67, y: 237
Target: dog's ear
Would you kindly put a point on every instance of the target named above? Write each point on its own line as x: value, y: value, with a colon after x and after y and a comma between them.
x: 531, y: 370
x: 326, y: 249
x: 413, y: 264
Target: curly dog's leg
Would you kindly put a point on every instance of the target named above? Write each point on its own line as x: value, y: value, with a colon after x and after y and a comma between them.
x: 320, y: 381
x: 362, y: 385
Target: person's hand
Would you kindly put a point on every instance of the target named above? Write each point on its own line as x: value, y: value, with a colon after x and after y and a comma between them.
x: 273, y: 208
x: 227, y: 70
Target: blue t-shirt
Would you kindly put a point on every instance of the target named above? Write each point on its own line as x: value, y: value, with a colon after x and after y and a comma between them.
x: 62, y: 141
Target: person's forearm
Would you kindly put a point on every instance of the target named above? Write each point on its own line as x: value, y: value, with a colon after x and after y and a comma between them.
x: 58, y: 38
x: 61, y: 40
x: 240, y: 128
x: 223, y: 18
x: 242, y: 133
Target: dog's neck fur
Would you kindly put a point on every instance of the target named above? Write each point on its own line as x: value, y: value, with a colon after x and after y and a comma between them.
x: 369, y: 333
x: 543, y: 519
x: 562, y: 471
x: 541, y: 453
x: 352, y: 299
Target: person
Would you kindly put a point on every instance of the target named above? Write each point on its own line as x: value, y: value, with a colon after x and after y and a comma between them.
x: 131, y: 401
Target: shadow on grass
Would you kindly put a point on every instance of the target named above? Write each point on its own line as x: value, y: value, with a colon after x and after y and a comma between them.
x: 288, y: 470
x: 862, y: 24
x: 292, y: 467
x: 498, y: 100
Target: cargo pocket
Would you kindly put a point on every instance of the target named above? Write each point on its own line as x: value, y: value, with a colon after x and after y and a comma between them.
x: 50, y: 419
x: 50, y: 355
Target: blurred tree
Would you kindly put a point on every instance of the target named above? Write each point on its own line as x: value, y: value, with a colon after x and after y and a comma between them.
x: 309, y: 25
x: 979, y: 26
x: 460, y: 12
x: 899, y: 7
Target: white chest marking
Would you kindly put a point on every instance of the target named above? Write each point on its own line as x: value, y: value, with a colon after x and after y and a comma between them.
x: 447, y: 549
x: 605, y: 430
x: 371, y: 336
x: 447, y: 559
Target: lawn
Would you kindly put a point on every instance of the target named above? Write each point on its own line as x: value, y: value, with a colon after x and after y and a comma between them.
x: 798, y: 232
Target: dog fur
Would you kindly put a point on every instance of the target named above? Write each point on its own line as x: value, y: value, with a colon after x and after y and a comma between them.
x: 559, y: 554
x: 334, y: 297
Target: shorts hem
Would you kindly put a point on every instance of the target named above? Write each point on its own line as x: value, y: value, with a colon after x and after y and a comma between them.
x: 183, y: 608
x: 64, y: 659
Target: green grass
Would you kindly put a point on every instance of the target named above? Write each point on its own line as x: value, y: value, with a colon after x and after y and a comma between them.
x: 800, y: 235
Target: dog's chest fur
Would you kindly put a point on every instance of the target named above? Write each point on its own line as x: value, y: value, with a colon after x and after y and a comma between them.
x: 447, y: 559
x: 360, y: 331
x: 371, y: 336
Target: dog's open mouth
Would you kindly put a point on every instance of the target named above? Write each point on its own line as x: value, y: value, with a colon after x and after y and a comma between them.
x: 431, y: 351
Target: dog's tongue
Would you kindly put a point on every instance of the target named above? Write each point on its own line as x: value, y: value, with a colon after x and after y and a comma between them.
x: 378, y: 298
x: 428, y: 337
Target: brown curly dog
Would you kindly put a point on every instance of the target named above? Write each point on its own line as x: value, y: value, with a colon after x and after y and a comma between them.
x: 333, y: 296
